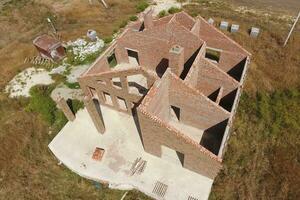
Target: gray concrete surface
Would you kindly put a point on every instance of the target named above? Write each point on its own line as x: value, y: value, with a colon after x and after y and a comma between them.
x: 75, y: 144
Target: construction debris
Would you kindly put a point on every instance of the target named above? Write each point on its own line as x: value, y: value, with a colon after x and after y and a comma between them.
x: 254, y: 32
x: 224, y: 25
x: 234, y: 28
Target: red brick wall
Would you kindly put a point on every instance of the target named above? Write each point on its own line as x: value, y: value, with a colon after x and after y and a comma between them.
x: 196, y: 158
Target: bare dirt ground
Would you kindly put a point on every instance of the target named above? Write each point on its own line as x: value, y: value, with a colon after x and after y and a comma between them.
x: 23, y: 20
x: 287, y: 6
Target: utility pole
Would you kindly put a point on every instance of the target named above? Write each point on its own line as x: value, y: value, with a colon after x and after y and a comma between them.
x: 104, y: 3
x: 52, y: 25
x: 292, y: 29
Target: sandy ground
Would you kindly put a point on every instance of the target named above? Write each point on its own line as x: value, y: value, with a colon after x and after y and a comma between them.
x: 21, y: 83
x: 164, y: 5
x: 66, y: 93
x: 75, y: 72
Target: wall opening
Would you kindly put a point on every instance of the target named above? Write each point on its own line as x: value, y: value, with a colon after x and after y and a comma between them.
x: 188, y: 64
x: 142, y: 27
x: 92, y: 91
x: 162, y: 67
x: 171, y: 155
x: 133, y: 54
x: 227, y: 101
x: 122, y: 103
x: 107, y: 98
x: 237, y: 71
x: 116, y: 82
x: 213, y: 136
x: 213, y: 55
x: 175, y: 113
x: 112, y: 61
x: 98, y: 108
x: 213, y: 96
x: 137, y: 84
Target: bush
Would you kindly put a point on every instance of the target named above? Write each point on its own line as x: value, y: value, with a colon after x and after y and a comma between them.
x: 123, y: 24
x: 41, y: 102
x: 173, y: 10
x: 141, y: 6
x: 162, y: 13
x: 133, y: 18
x: 107, y: 39
x: 72, y: 85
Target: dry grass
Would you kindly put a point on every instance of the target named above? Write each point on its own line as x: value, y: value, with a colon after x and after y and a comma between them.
x: 256, y: 166
x: 72, y: 18
x: 28, y: 170
x: 262, y: 160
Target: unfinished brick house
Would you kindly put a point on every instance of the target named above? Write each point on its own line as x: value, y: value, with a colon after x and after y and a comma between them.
x: 180, y: 78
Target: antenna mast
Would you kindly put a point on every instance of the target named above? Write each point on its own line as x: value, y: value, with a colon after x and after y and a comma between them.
x: 292, y: 29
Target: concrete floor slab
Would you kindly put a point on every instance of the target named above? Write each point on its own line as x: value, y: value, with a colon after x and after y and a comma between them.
x: 75, y: 143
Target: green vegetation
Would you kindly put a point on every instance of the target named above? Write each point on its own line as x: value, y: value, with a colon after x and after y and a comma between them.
x: 28, y: 170
x: 141, y: 6
x: 171, y: 10
x: 41, y: 102
x: 123, y: 24
x: 108, y: 40
x: 72, y: 85
x: 74, y: 60
x: 263, y: 148
x: 262, y: 158
x: 133, y: 18
x: 174, y: 10
x: 162, y: 13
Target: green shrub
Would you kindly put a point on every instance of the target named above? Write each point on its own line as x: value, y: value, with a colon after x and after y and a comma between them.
x: 41, y: 102
x: 162, y: 13
x: 133, y: 18
x: 123, y: 24
x: 107, y: 39
x: 141, y: 6
x: 173, y: 10
x: 72, y: 85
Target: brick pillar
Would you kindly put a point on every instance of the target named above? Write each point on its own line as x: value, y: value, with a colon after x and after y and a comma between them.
x: 121, y: 54
x: 95, y: 113
x: 63, y: 105
x: 196, y: 28
x: 176, y: 59
x: 148, y: 20
x: 124, y: 83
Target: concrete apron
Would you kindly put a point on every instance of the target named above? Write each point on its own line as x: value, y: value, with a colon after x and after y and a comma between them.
x: 75, y: 143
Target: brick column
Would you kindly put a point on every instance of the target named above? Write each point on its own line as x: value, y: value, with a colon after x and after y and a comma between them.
x: 95, y: 113
x: 124, y: 83
x: 63, y: 105
x: 121, y: 54
x: 196, y: 28
x: 176, y: 59
x: 148, y: 20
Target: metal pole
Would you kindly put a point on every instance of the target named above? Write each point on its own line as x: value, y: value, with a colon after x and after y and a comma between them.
x: 104, y: 3
x: 52, y: 25
x: 291, y: 31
